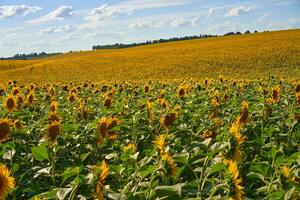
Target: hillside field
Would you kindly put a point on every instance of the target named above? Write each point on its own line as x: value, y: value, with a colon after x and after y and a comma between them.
x: 243, y: 56
x: 155, y: 122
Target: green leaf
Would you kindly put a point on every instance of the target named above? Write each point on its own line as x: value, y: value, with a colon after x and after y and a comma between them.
x: 170, y: 190
x: 40, y: 153
x: 217, y: 167
x: 71, y: 171
x: 63, y: 192
x: 146, y: 171
x: 47, y: 195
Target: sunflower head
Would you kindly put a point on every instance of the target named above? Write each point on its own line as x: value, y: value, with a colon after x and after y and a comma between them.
x: 52, y: 91
x: 298, y: 88
x: 4, y: 129
x: 10, y: 103
x: 15, y: 91
x: 20, y: 100
x: 275, y: 94
x: 244, y: 114
x: 53, y: 131
x: 30, y: 98
x: 72, y: 97
x: 130, y: 147
x: 18, y: 124
x: 108, y: 102
x: 160, y: 142
x: 147, y: 88
x: 53, y: 106
x: 7, y: 182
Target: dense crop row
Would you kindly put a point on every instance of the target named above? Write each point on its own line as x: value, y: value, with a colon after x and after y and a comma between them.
x: 211, y: 139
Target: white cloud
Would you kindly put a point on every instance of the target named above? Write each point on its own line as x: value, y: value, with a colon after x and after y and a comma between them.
x: 147, y: 4
x: 104, y: 35
x: 222, y: 28
x: 264, y: 17
x: 212, y: 11
x: 60, y: 29
x: 60, y: 13
x: 239, y: 10
x: 181, y: 22
x: 105, y: 12
x: 173, y: 22
x: 10, y: 11
x: 147, y: 24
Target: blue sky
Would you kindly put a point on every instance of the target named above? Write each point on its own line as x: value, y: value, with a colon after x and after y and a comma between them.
x: 60, y: 26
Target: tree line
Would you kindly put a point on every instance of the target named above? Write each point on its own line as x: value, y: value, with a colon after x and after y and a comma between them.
x: 30, y: 56
x: 121, y: 45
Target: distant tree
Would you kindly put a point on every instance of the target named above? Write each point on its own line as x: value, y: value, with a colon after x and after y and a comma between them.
x: 255, y: 31
x: 247, y: 32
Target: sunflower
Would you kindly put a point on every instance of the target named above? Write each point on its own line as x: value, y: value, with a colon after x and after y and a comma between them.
x: 101, y: 181
x: 15, y: 91
x: 287, y: 173
x: 130, y: 147
x: 30, y: 98
x: 150, y: 111
x: 53, y: 117
x: 20, y: 100
x: 275, y: 94
x: 53, y: 131
x: 244, y: 115
x: 181, y: 91
x: 7, y: 183
x: 298, y: 88
x: 159, y: 142
x: 298, y: 98
x: 10, y: 103
x: 52, y: 91
x: 18, y: 124
x: 4, y: 129
x: 147, y: 88
x: 72, y: 97
x: 53, y: 106
x: 235, y: 131
x: 168, y: 119
x: 170, y: 161
x: 108, y: 102
x: 237, y: 181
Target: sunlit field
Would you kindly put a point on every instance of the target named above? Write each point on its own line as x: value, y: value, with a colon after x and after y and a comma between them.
x: 214, y: 118
x: 243, y: 56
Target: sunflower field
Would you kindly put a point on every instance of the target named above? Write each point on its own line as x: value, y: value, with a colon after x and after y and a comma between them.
x: 172, y: 139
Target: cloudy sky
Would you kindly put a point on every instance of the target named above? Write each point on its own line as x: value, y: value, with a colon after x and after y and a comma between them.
x: 59, y: 26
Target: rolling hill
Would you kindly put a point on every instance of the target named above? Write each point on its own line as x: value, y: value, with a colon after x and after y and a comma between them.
x: 240, y: 56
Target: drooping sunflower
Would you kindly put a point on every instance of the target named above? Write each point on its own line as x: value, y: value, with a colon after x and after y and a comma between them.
x: 7, y: 182
x: 287, y: 173
x: 150, y: 111
x: 30, y: 98
x: 275, y: 94
x: 101, y: 181
x: 10, y: 103
x: 160, y: 141
x: 244, y: 115
x: 237, y: 181
x: 4, y: 129
x: 53, y: 106
x: 53, y: 131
